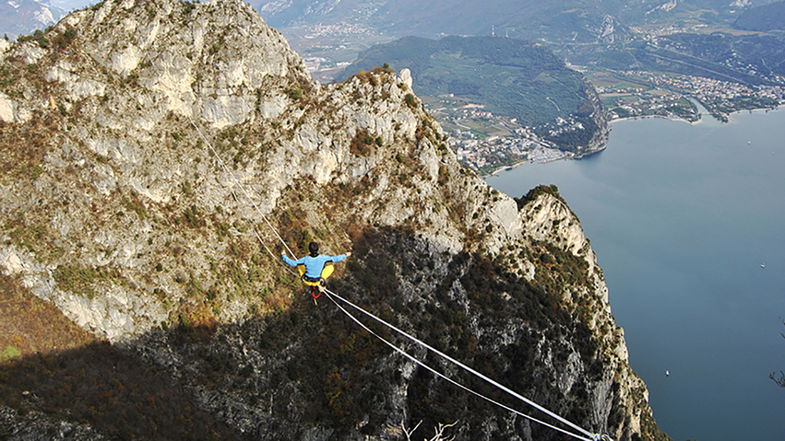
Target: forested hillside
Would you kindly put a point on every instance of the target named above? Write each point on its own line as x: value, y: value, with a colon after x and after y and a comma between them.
x: 763, y: 18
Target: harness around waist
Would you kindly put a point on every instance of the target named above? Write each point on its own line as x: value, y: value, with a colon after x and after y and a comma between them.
x: 314, y: 281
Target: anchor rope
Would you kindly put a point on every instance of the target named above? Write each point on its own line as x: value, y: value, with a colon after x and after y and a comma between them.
x: 589, y: 436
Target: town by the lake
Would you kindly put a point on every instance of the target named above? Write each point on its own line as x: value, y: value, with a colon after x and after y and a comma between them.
x: 487, y: 142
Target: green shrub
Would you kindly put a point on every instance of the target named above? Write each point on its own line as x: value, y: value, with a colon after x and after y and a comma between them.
x: 134, y: 204
x: 362, y: 143
x: 187, y: 189
x: 36, y: 238
x: 10, y: 352
x: 410, y: 100
x: 82, y: 279
x: 294, y: 93
x: 193, y: 217
x: 63, y: 40
x: 536, y: 192
x: 188, y: 7
x: 38, y: 36
x: 444, y: 174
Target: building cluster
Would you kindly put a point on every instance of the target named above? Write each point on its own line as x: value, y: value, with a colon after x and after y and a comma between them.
x: 668, y: 96
x: 488, y: 155
x: 485, y: 142
x: 716, y: 91
x: 563, y: 125
x: 663, y: 104
x: 485, y: 154
x: 336, y: 30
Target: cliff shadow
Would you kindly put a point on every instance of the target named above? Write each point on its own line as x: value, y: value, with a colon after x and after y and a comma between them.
x: 309, y: 369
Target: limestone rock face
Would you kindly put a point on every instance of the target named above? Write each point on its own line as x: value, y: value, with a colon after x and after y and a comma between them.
x: 114, y: 315
x: 406, y: 77
x: 121, y: 70
x: 549, y: 220
x: 6, y: 109
x: 159, y: 156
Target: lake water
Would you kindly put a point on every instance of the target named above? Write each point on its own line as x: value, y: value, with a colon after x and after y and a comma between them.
x: 682, y: 217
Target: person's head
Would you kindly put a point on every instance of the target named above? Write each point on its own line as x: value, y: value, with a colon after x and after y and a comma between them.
x: 313, y: 248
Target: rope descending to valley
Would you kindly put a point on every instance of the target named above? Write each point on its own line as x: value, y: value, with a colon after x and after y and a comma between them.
x: 586, y: 435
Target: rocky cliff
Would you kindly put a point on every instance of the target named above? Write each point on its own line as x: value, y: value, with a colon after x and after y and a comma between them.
x: 115, y: 214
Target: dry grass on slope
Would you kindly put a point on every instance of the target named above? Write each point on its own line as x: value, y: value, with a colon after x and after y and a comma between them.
x: 29, y: 324
x: 50, y: 365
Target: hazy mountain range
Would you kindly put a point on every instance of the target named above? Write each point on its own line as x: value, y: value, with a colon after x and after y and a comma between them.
x: 570, y: 19
x: 22, y: 16
x: 763, y: 18
x: 19, y: 17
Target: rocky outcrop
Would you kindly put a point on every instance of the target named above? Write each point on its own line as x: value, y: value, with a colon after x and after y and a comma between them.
x: 117, y: 209
x: 598, y: 116
x: 117, y: 313
x: 37, y: 425
x: 549, y: 220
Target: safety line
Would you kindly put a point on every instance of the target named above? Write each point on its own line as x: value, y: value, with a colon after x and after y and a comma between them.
x: 450, y: 380
x: 589, y: 436
x: 242, y: 187
x: 466, y: 368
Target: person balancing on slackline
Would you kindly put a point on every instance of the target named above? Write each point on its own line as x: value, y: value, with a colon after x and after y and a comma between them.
x: 315, y: 268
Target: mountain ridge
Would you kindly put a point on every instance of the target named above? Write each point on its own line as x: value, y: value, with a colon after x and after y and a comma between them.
x: 115, y: 211
x: 577, y: 21
x: 764, y: 18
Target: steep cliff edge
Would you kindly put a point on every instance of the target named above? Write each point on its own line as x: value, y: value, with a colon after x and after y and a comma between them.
x: 114, y: 210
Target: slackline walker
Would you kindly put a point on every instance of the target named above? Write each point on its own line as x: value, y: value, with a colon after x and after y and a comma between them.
x: 582, y: 434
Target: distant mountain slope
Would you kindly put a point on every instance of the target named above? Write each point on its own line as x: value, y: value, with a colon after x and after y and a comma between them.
x: 761, y: 56
x: 23, y: 16
x: 512, y: 78
x: 567, y: 20
x: 747, y: 59
x: 72, y: 4
x: 574, y: 19
x: 762, y: 18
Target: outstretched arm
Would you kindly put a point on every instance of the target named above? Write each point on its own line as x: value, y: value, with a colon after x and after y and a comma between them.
x: 291, y: 262
x: 340, y: 257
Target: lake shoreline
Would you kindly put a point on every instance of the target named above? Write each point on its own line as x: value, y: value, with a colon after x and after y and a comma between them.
x: 571, y: 156
x: 681, y: 219
x: 670, y: 118
x: 703, y: 115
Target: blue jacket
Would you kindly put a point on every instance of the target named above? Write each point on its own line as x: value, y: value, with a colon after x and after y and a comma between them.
x: 313, y: 265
